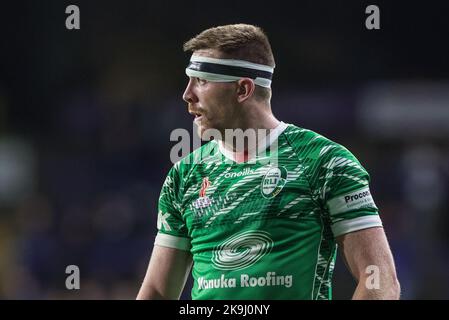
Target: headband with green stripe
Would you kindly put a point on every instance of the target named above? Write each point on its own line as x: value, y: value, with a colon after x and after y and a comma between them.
x: 228, y: 70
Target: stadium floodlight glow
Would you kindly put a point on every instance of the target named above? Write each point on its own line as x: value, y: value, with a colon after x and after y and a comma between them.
x: 228, y: 70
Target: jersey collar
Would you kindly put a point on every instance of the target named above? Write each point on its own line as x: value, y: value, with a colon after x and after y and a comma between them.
x: 262, y: 145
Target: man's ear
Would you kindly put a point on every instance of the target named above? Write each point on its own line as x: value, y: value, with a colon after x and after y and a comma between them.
x: 245, y: 89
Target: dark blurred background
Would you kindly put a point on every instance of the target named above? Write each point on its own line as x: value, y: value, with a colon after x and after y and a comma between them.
x: 86, y: 116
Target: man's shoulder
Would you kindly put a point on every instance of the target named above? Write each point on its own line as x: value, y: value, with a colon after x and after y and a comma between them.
x: 324, y: 158
x: 310, y: 144
x: 207, y: 153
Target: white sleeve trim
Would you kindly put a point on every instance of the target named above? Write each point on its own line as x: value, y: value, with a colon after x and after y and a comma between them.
x: 359, y: 223
x: 167, y: 240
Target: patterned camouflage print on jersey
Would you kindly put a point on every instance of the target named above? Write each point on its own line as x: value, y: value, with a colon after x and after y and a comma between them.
x: 265, y: 230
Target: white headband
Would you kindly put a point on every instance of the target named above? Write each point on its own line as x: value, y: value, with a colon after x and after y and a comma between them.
x: 227, y: 70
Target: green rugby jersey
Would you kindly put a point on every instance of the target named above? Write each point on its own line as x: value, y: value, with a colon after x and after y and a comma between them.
x: 266, y: 228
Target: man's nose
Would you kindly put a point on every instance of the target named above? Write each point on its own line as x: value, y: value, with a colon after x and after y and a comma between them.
x: 189, y: 96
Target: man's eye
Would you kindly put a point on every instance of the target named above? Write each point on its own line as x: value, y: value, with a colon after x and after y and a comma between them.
x: 201, y: 81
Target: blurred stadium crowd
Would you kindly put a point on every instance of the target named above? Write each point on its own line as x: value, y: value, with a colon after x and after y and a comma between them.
x: 86, y: 116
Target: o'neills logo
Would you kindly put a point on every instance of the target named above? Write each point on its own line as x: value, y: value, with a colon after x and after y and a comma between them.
x: 241, y: 250
x: 273, y: 182
x: 242, y: 173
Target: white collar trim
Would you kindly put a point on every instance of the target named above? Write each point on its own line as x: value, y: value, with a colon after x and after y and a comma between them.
x: 262, y: 145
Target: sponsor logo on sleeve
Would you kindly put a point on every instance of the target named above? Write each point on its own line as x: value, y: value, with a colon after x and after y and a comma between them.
x: 352, y: 201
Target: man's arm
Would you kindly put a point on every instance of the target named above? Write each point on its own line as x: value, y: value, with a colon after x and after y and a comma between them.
x: 369, y: 247
x: 167, y: 274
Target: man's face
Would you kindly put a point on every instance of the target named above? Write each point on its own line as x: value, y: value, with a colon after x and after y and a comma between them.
x: 214, y: 104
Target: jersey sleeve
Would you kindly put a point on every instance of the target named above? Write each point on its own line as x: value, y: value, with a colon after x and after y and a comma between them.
x: 172, y: 229
x: 343, y: 186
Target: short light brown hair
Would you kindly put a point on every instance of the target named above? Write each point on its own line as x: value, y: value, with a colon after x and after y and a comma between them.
x: 237, y: 41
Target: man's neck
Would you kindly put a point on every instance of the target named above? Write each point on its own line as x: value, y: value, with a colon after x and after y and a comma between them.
x: 258, y: 117
x: 258, y: 126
